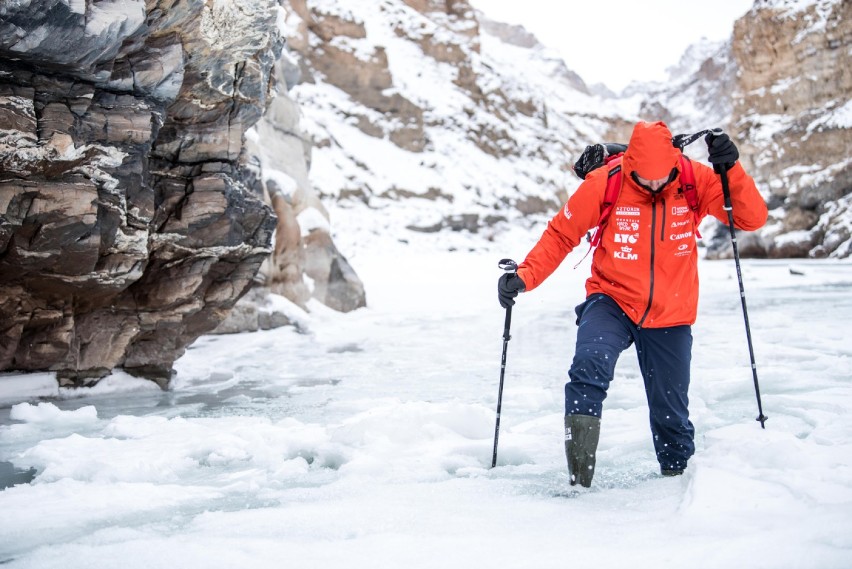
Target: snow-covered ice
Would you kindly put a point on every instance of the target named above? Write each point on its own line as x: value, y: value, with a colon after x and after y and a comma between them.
x: 367, y: 441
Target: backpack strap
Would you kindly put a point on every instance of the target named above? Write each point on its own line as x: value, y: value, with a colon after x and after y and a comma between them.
x: 687, y: 179
x: 613, y: 187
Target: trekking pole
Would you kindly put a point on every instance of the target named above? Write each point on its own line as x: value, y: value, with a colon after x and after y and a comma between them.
x: 722, y: 170
x: 509, y: 266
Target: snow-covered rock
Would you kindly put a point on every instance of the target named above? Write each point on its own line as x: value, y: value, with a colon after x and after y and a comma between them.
x: 426, y: 117
x: 780, y: 86
x: 793, y: 111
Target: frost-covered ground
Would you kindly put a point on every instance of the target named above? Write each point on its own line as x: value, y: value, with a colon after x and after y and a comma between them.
x: 367, y: 442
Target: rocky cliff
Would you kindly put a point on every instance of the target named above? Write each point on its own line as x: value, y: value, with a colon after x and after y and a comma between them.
x: 793, y: 110
x: 128, y: 222
x: 781, y: 85
x: 428, y: 117
x: 429, y: 121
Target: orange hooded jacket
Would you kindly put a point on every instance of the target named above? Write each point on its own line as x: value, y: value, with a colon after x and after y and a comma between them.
x: 647, y: 259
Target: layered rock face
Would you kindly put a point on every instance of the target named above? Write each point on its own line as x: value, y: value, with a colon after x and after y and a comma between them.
x: 793, y: 109
x: 128, y: 223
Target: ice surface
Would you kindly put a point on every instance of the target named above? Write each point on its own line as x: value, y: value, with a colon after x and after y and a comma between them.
x: 367, y: 442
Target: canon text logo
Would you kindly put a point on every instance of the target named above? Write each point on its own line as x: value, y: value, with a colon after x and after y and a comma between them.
x: 678, y: 236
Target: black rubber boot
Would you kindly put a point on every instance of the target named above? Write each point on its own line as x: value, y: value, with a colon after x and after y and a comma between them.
x: 582, y: 433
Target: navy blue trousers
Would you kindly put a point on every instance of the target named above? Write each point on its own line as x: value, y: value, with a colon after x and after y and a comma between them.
x: 664, y: 357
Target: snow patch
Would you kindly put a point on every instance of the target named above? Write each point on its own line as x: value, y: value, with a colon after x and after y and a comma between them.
x: 103, y: 17
x: 839, y: 117
x: 311, y: 219
x: 50, y: 414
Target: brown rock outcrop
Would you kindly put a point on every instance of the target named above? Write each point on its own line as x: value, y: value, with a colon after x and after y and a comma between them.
x: 303, y: 245
x: 792, y: 112
x: 358, y: 68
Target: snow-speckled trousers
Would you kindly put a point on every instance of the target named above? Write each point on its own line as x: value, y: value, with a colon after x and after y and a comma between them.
x: 664, y: 358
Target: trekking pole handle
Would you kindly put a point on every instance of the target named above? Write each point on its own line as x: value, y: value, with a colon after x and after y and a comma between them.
x: 508, y: 265
x: 511, y: 267
x: 722, y: 170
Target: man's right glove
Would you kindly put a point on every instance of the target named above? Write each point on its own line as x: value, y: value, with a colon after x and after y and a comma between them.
x: 723, y: 152
x: 508, y: 288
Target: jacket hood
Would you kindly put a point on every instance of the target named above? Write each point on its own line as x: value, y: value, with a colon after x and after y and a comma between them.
x: 650, y: 152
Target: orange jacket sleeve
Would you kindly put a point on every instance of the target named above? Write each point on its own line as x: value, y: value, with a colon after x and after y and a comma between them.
x: 749, y: 209
x: 565, y: 230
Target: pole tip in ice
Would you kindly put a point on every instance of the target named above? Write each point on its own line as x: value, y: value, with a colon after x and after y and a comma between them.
x: 762, y: 418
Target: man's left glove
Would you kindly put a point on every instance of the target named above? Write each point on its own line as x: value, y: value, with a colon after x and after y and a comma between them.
x: 723, y: 151
x: 508, y: 288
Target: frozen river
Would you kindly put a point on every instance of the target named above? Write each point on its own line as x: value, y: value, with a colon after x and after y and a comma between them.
x: 366, y: 442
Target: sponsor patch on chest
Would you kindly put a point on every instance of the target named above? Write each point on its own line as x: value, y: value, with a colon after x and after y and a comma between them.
x: 627, y: 225
x: 627, y: 210
x: 626, y: 237
x: 626, y: 254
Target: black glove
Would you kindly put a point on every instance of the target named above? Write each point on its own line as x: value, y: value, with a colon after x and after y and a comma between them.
x: 508, y: 288
x: 723, y: 151
x: 594, y: 157
x: 591, y: 158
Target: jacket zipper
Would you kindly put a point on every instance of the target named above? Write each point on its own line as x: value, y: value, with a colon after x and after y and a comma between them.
x: 663, y: 225
x: 653, y: 249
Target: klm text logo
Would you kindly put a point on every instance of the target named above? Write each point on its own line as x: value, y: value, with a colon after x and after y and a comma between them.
x: 626, y: 254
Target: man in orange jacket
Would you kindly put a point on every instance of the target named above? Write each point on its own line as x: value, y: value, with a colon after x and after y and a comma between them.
x: 643, y: 288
